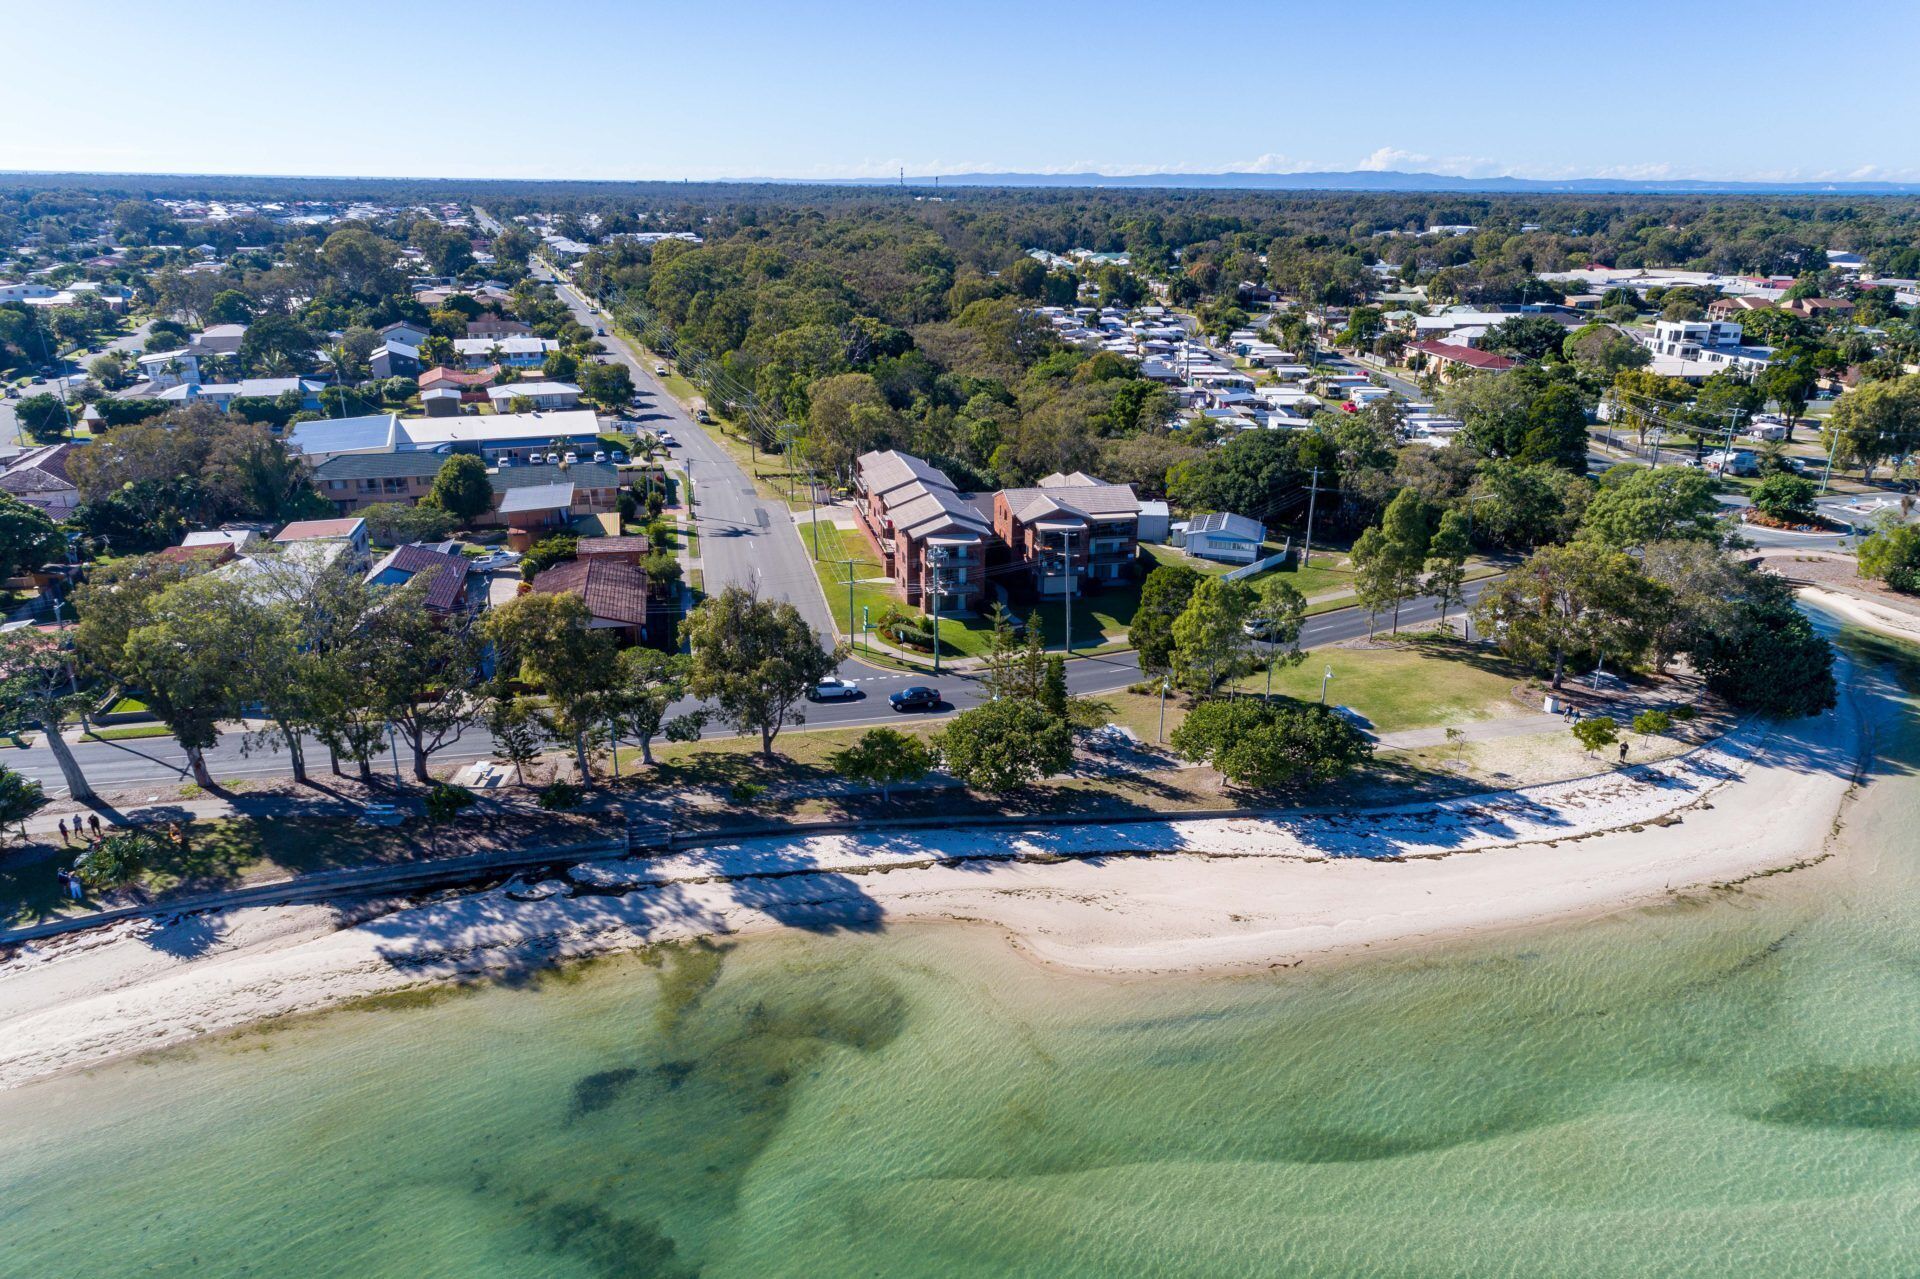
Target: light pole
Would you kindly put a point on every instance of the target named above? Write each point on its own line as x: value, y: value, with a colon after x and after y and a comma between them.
x: 1160, y: 734
x: 1066, y: 594
x: 936, y: 556
x: 1323, y: 685
x: 395, y: 745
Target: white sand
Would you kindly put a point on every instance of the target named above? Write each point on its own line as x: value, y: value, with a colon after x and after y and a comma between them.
x: 1217, y: 895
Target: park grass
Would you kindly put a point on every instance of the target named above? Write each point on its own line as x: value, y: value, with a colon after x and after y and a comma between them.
x: 1417, y: 682
x: 127, y: 733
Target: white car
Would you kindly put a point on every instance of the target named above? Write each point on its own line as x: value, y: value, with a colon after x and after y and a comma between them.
x: 834, y: 689
x: 497, y: 560
x: 599, y: 455
x: 659, y: 370
x: 570, y: 458
x: 668, y: 440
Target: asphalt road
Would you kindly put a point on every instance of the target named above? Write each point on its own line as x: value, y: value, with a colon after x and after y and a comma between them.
x: 125, y: 765
x: 10, y: 428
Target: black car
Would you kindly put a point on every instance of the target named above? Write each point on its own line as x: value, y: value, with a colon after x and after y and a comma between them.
x: 916, y: 698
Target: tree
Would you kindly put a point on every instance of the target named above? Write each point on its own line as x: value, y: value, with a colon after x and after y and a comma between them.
x: 650, y: 683
x: 461, y: 488
x: 1639, y: 504
x: 337, y: 665
x: 547, y: 552
x: 229, y: 306
x: 189, y: 658
x: 1210, y: 642
x: 1164, y: 595
x: 1446, y: 564
x: 1604, y: 352
x: 1255, y: 744
x: 515, y: 725
x: 278, y: 346
x: 1875, y: 421
x: 1789, y: 381
x: 1768, y: 657
x: 1595, y: 732
x: 1521, y: 505
x: 757, y: 659
x: 1005, y: 745
x: 549, y: 640
x: 1387, y: 560
x: 1891, y: 553
x: 20, y: 798
x: 1698, y: 584
x: 846, y: 415
x: 1578, y: 600
x: 1527, y: 414
x: 44, y: 417
x: 38, y: 689
x: 28, y: 538
x: 883, y: 757
x: 607, y: 384
x: 1652, y: 723
x: 1526, y: 337
x: 1786, y: 498
x: 424, y: 673
x: 397, y: 523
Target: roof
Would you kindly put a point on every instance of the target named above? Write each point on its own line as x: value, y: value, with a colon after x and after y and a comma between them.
x: 628, y: 544
x: 530, y: 389
x: 380, y: 466
x: 445, y: 576
x: 537, y: 497
x: 614, y: 590
x: 41, y: 470
x: 883, y: 472
x: 1463, y: 355
x: 459, y: 377
x: 1222, y: 524
x: 592, y: 475
x: 346, y: 434
x: 920, y: 499
x: 512, y: 345
x: 1078, y: 494
x: 319, y: 530
x: 430, y: 432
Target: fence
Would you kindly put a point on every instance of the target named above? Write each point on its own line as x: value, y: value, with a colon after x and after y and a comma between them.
x: 1261, y: 566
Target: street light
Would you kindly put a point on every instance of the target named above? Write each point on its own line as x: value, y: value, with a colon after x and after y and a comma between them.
x: 1160, y: 734
x: 1323, y: 685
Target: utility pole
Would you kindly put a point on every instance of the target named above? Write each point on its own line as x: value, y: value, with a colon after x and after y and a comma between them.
x: 1323, y: 685
x: 1066, y: 550
x: 936, y: 558
x: 1160, y: 734
x: 1306, y: 547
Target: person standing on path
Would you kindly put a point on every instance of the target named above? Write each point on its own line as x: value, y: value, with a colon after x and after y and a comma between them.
x: 66, y: 840
x: 93, y: 824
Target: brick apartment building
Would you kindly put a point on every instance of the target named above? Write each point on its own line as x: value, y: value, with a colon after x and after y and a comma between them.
x: 919, y: 523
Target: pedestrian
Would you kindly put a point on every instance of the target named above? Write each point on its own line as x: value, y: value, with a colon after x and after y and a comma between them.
x: 1623, y: 752
x: 66, y: 840
x: 93, y: 824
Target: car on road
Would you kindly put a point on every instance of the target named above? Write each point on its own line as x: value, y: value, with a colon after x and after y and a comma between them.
x: 601, y: 331
x: 834, y: 689
x: 638, y: 401
x: 666, y: 438
x: 915, y: 697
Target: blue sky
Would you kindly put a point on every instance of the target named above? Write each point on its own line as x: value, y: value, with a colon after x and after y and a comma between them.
x: 597, y: 89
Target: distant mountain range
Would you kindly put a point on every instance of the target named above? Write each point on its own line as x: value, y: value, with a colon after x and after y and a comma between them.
x: 1375, y: 180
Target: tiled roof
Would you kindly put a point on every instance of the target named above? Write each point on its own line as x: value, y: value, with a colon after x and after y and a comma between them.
x: 1463, y: 355
x: 883, y: 472
x: 629, y: 544
x: 319, y: 530
x: 614, y: 591
x: 444, y: 576
x: 1080, y: 495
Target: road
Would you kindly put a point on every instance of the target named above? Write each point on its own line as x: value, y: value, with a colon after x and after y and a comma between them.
x: 10, y: 435
x: 126, y: 765
x: 745, y: 540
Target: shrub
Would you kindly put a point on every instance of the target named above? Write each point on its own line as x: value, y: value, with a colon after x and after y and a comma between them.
x: 444, y: 801
x: 1598, y: 731
x: 1652, y: 723
x: 118, y: 858
x: 557, y: 796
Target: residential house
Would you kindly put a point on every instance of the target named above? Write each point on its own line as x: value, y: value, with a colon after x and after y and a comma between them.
x: 324, y: 439
x: 1232, y: 539
x: 405, y: 332
x: 1734, y: 307
x: 1696, y: 349
x: 511, y: 352
x: 472, y: 383
x: 353, y: 481
x: 540, y: 395
x: 1451, y: 360
x: 927, y: 534
x: 495, y: 437
x: 163, y: 369
x: 535, y: 500
x: 492, y: 326
x: 451, y: 586
x: 39, y: 478
x: 1820, y: 308
x: 395, y: 358
x: 1073, y: 532
x: 221, y: 395
x: 350, y: 532
x: 614, y: 591
x: 218, y: 339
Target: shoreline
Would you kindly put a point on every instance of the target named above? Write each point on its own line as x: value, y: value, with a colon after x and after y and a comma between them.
x: 1219, y: 896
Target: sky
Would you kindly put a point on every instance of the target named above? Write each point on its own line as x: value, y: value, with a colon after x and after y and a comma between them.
x: 1769, y: 90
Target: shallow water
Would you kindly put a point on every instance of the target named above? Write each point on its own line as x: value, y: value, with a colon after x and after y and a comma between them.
x: 1729, y: 1086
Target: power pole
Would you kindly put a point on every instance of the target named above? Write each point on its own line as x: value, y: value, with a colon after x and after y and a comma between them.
x: 936, y: 558
x: 1066, y: 550
x: 1306, y: 548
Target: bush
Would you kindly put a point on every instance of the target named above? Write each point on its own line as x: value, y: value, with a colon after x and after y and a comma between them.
x: 444, y: 801
x: 1785, y: 498
x: 1254, y: 744
x: 1597, y: 731
x: 547, y: 552
x: 1652, y: 723
x: 558, y: 796
x: 119, y: 858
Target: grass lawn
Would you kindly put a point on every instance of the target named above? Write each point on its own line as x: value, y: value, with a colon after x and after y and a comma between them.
x: 1421, y: 681
x: 837, y: 547
x: 127, y: 733
x: 127, y: 706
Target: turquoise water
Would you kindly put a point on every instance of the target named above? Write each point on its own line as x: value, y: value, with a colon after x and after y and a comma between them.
x: 1727, y: 1086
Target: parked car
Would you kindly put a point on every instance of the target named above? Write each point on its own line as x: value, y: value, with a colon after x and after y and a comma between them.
x: 834, y: 689
x: 494, y: 561
x: 701, y: 415
x: 915, y: 697
x: 599, y: 455
x: 504, y: 462
x: 553, y: 459
x: 619, y: 455
x: 659, y: 370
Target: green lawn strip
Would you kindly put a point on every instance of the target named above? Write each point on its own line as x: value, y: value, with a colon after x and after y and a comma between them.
x: 691, y: 533
x: 838, y: 546
x: 127, y: 733
x: 1417, y: 682
x: 127, y: 706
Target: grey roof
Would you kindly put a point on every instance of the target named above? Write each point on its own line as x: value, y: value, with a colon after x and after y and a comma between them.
x: 592, y: 475
x: 883, y: 472
x: 920, y: 499
x: 341, y: 435
x: 380, y: 466
x: 1080, y: 494
x: 537, y: 497
x: 1221, y: 524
